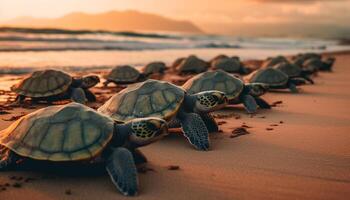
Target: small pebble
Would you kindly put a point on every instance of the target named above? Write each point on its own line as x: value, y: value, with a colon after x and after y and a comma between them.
x: 7, y: 185
x: 269, y: 129
x: 29, y: 179
x: 3, y: 188
x: 173, y: 167
x: 281, y: 122
x: 273, y: 124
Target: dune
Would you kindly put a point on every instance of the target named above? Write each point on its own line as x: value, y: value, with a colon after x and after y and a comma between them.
x: 298, y: 150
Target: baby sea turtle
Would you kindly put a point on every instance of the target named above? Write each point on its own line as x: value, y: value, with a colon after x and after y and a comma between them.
x: 231, y: 65
x: 52, y: 85
x: 74, y: 132
x: 235, y: 90
x: 301, y: 58
x: 192, y: 64
x: 154, y: 68
x: 272, y: 61
x: 294, y: 71
x: 315, y: 64
x: 154, y: 98
x: 123, y: 74
x: 275, y: 79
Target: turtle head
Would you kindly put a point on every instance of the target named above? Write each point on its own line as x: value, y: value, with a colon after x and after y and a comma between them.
x: 147, y: 130
x: 257, y: 89
x: 89, y: 81
x: 209, y: 101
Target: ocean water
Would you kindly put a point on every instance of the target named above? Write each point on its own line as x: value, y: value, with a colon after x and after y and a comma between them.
x: 25, y: 50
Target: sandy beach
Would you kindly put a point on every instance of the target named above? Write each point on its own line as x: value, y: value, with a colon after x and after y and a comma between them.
x: 298, y: 150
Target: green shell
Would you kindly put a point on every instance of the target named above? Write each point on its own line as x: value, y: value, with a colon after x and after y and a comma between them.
x: 59, y: 133
x: 270, y: 76
x: 227, y: 64
x: 215, y: 80
x: 123, y: 74
x: 192, y: 64
x: 151, y: 98
x: 270, y: 62
x: 154, y: 67
x: 43, y: 84
x: 291, y: 70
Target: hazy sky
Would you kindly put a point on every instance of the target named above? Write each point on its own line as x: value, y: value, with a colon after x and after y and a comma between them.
x: 203, y: 12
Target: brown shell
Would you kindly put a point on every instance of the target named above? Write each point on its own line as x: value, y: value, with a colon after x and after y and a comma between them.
x: 123, y: 74
x: 192, y: 64
x: 215, y: 80
x: 151, y: 98
x: 43, y: 84
x: 270, y: 62
x: 227, y: 64
x: 154, y: 67
x: 59, y: 133
x: 291, y: 70
x: 270, y: 76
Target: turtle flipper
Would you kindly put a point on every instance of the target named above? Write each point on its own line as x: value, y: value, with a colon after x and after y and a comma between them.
x: 195, y: 131
x: 78, y: 95
x: 139, y: 157
x: 122, y: 170
x: 262, y: 103
x: 293, y: 88
x: 90, y: 96
x: 174, y: 123
x: 308, y: 79
x: 209, y: 122
x: 249, y: 103
x: 7, y: 159
x: 18, y: 101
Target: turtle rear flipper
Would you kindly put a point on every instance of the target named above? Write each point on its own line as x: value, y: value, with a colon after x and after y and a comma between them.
x: 195, y: 130
x: 262, y: 103
x: 18, y: 101
x: 209, y: 122
x: 292, y: 87
x: 249, y: 103
x: 78, y: 95
x: 122, y: 170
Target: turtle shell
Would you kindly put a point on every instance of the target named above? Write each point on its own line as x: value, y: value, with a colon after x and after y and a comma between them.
x: 270, y: 62
x: 291, y: 70
x: 227, y: 64
x: 59, y: 133
x: 192, y: 64
x: 151, y: 98
x: 43, y: 84
x: 270, y: 76
x: 215, y: 80
x: 154, y: 67
x: 123, y: 74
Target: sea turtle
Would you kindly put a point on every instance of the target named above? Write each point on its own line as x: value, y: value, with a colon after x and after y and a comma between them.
x: 74, y: 132
x: 154, y: 98
x: 231, y: 65
x: 294, y: 71
x: 123, y: 74
x: 271, y: 61
x: 315, y: 64
x: 218, y: 57
x: 301, y: 58
x: 275, y: 79
x: 52, y: 85
x: 192, y: 64
x: 154, y: 68
x: 235, y: 89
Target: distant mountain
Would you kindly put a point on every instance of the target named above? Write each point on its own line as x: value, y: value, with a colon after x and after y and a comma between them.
x: 110, y: 21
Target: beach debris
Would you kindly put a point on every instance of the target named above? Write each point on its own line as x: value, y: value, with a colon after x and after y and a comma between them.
x: 262, y: 117
x: 173, y: 167
x: 269, y: 129
x: 238, y: 132
x: 68, y: 192
x: 246, y: 126
x: 273, y: 124
x: 281, y: 122
x: 274, y: 104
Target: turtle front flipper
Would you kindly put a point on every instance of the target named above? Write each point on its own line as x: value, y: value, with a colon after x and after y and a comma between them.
x: 249, y: 103
x: 122, y: 170
x: 262, y: 103
x: 308, y: 79
x: 210, y: 122
x: 139, y: 157
x: 90, y: 96
x: 78, y: 95
x: 7, y: 159
x: 195, y: 130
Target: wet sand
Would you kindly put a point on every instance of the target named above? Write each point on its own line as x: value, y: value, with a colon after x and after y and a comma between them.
x: 306, y: 155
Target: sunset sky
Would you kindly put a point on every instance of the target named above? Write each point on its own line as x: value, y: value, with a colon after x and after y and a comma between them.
x: 209, y: 15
